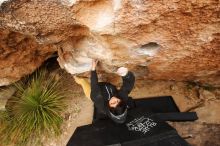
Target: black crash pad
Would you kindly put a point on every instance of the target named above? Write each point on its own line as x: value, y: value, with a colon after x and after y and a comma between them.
x: 143, y: 127
x: 159, y: 104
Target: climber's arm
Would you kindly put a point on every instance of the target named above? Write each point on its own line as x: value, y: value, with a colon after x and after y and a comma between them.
x: 128, y: 82
x: 95, y: 89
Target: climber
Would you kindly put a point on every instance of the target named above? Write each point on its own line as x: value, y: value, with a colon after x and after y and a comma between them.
x: 108, y: 101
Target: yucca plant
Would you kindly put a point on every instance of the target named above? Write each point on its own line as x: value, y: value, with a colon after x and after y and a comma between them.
x: 35, y: 110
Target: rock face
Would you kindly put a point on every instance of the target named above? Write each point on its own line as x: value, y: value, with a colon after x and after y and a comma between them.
x: 168, y: 40
x: 20, y: 55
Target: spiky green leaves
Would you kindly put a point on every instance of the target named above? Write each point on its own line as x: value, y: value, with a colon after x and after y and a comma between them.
x: 36, y: 108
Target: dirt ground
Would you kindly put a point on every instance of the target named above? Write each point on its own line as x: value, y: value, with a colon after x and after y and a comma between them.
x: 203, y: 132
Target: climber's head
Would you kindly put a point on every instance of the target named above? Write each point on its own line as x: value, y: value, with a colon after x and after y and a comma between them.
x: 114, y: 101
x: 118, y: 110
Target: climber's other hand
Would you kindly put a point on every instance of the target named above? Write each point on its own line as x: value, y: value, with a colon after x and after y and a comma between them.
x: 122, y: 71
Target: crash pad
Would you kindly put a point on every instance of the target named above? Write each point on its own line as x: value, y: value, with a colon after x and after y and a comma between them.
x: 144, y: 126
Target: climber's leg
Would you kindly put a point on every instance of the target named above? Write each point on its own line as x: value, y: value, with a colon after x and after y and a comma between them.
x: 85, y: 85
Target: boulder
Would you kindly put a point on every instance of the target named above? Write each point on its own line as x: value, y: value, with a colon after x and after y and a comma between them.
x: 159, y: 40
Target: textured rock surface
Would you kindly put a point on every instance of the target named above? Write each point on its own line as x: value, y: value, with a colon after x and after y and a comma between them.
x: 169, y: 40
x: 20, y: 55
